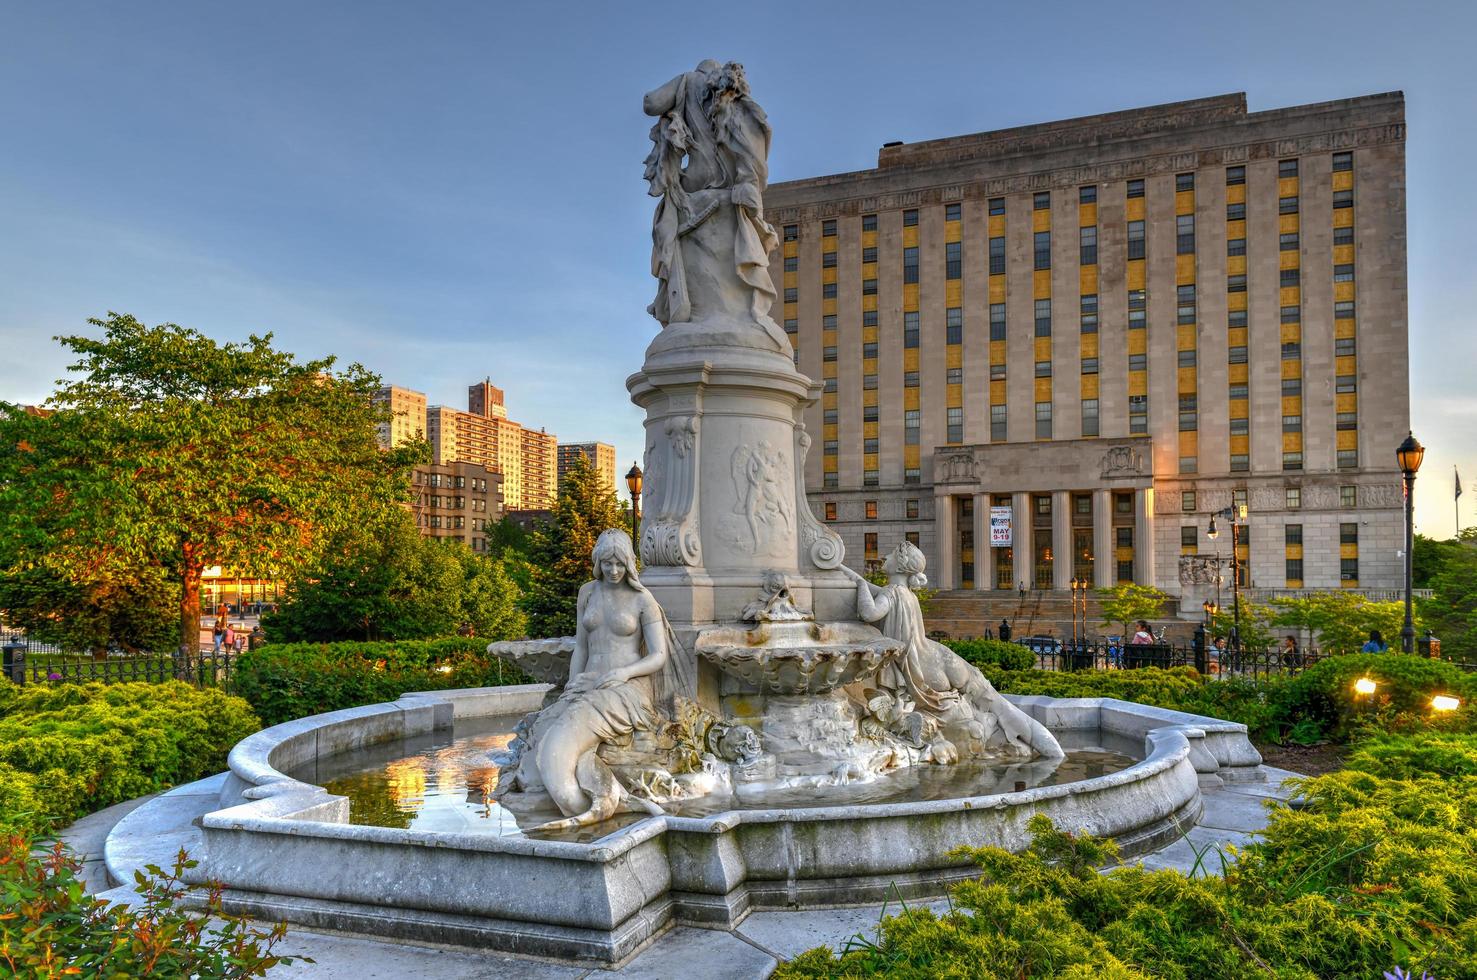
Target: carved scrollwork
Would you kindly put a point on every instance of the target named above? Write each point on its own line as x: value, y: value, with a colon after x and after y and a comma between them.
x: 819, y: 542
x: 670, y: 536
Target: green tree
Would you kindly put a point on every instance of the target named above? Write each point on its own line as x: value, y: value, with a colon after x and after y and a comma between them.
x: 168, y: 452
x: 387, y: 582
x: 559, y: 549
x: 1128, y: 603
x: 135, y: 612
x: 1430, y: 554
x: 1451, y: 612
x: 1253, y: 631
x: 1341, y: 620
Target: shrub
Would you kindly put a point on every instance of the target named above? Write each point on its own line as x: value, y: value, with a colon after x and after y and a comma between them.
x: 1371, y: 874
x: 996, y: 654
x: 1322, y: 697
x: 71, y: 749
x: 52, y: 929
x: 283, y: 681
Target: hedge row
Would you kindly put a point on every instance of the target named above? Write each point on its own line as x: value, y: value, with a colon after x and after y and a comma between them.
x: 68, y: 750
x: 283, y: 681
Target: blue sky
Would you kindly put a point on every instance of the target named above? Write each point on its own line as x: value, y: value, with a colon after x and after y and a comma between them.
x: 446, y: 191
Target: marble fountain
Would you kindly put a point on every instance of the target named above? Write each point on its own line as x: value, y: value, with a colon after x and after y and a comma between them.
x: 740, y: 722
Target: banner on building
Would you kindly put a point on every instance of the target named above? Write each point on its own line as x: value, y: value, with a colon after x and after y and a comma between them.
x: 1000, y: 527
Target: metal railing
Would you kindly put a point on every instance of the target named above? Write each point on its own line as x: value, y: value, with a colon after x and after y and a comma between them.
x: 27, y: 665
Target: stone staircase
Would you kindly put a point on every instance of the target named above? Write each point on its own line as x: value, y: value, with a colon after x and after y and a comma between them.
x: 1048, y: 613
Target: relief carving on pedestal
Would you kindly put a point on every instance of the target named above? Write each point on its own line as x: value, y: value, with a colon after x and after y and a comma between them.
x: 763, y: 518
x: 670, y: 535
x: 1268, y: 498
x: 1122, y: 461
x: 956, y: 468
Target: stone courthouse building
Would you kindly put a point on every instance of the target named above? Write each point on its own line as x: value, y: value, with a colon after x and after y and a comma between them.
x: 1084, y: 337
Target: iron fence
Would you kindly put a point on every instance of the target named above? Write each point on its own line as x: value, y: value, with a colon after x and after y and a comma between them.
x: 1052, y: 654
x: 27, y: 665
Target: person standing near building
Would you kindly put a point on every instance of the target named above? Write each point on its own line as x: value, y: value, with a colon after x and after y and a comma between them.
x: 1375, y: 643
x: 1004, y: 631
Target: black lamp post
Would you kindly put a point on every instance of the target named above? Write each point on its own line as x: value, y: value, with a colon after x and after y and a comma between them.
x: 1232, y: 514
x: 1409, y: 455
x: 633, y: 484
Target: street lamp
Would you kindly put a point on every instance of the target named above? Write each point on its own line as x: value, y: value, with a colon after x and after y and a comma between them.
x: 1233, y: 514
x: 1409, y: 455
x: 633, y: 484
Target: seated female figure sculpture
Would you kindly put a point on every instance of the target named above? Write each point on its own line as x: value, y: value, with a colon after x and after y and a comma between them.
x: 942, y: 685
x: 625, y: 670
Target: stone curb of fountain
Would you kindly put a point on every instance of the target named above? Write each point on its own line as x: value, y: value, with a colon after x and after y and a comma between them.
x: 151, y: 830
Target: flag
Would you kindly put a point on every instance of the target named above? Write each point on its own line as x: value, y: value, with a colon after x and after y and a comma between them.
x: 1458, y: 482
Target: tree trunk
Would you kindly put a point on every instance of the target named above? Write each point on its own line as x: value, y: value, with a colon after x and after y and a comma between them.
x: 190, y: 602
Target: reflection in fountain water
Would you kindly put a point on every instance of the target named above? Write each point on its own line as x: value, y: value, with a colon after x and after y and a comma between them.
x: 444, y: 783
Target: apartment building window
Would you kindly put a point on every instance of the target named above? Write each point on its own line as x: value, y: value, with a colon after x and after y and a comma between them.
x: 1238, y: 354
x: 792, y: 233
x: 1292, y: 461
x: 1043, y: 369
x: 910, y: 218
x: 828, y: 260
x: 830, y: 416
x: 1347, y: 497
x: 1343, y: 161
x: 1345, y: 384
x: 1238, y: 391
x: 1089, y: 416
x: 1186, y: 357
x: 1184, y: 229
x: 830, y: 481
x: 869, y: 350
x: 1348, y: 533
x: 953, y: 260
x: 1041, y: 201
x: 1291, y: 314
x: 1088, y: 250
x: 1043, y: 318
x: 1185, y: 304
x: 1187, y: 501
x: 1135, y: 239
x: 1347, y: 459
x: 997, y: 423
x: 1291, y: 351
x: 1292, y: 386
x: 1235, y: 246
x: 869, y: 287
x: 828, y: 322
x: 828, y: 290
x: 1343, y: 199
x: 830, y: 382
x: 1137, y: 309
x: 1292, y: 423
x: 870, y: 509
x: 954, y: 325
x: 1240, y: 427
x: 1288, y: 242
x: 912, y: 474
x: 910, y: 329
x: 1138, y: 413
x: 1184, y: 182
x: 997, y: 372
x: 1236, y: 284
x: 1343, y: 310
x: 1346, y: 421
x: 1344, y: 235
x: 997, y: 205
x: 952, y: 212
x: 1043, y: 420
x: 1294, y: 571
x: 1189, y: 538
x: 1287, y: 168
x: 869, y: 544
x: 1189, y: 418
x: 869, y: 446
x: 997, y: 321
x: 869, y: 255
x: 828, y: 228
x: 792, y: 325
x: 828, y: 354
x: 910, y: 509
x: 869, y: 382
x: 1043, y: 249
x: 1293, y: 498
x: 954, y: 376
x: 1287, y: 205
x: 1343, y: 347
x: 997, y: 256
x: 1235, y: 176
x: 1089, y: 365
x: 830, y: 510
x: 1089, y: 313
x: 1290, y: 277
x: 1236, y: 212
x: 1138, y: 362
x: 1343, y: 273
x: 1240, y: 463
x: 912, y: 422
x: 1135, y: 188
x: 792, y: 264
x: 869, y: 222
x: 1087, y: 194
x: 869, y: 413
x: 910, y: 379
x: 831, y: 447
x: 910, y: 264
x: 955, y: 420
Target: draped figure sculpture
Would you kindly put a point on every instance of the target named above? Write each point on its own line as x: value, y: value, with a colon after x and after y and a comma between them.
x: 946, y: 689
x: 625, y: 671
x: 710, y: 242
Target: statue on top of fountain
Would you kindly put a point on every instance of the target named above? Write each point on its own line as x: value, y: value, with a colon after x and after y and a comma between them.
x: 949, y: 693
x: 709, y: 164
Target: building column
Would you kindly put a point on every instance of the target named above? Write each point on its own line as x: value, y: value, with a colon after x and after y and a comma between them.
x: 1020, y: 538
x: 1105, y: 567
x: 984, y: 555
x: 947, y: 536
x: 1143, y: 536
x: 1061, y: 540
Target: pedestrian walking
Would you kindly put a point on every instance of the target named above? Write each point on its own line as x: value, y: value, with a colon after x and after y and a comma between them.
x: 1004, y: 631
x: 1292, y: 657
x: 1375, y: 643
x: 229, y: 638
x: 218, y: 633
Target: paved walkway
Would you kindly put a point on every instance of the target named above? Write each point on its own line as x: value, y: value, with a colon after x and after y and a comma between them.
x: 116, y: 841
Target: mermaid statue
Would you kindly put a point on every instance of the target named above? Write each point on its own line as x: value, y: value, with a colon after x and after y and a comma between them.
x: 624, y: 674
x: 948, y: 691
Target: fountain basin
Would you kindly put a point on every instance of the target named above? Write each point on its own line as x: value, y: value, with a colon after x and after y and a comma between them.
x: 797, y: 658
x: 284, y: 850
x: 546, y: 661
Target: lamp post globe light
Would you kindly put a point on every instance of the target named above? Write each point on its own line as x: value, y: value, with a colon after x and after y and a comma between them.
x: 1409, y: 455
x: 633, y: 484
x: 1234, y: 515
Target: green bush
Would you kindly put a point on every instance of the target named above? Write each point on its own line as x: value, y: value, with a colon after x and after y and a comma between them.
x: 71, y: 749
x: 1372, y: 873
x: 1323, y: 701
x: 283, y: 681
x: 51, y: 928
x: 993, y: 655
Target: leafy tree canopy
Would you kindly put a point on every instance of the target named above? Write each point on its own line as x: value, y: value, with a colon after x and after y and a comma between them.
x: 559, y: 549
x: 1127, y: 603
x: 167, y: 452
x: 1452, y: 610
